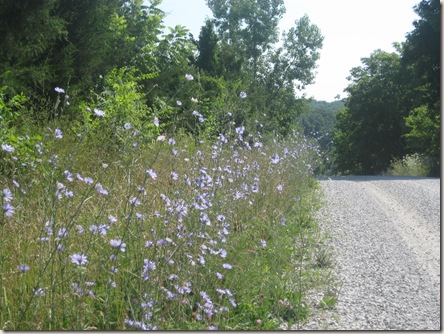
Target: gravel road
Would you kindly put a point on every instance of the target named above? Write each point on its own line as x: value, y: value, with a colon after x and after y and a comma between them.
x: 385, y: 241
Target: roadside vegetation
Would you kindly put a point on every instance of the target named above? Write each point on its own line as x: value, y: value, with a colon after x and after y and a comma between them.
x: 106, y: 228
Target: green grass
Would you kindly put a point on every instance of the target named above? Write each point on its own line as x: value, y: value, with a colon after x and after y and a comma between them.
x: 233, y: 238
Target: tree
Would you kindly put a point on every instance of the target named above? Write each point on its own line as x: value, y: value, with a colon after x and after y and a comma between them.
x: 208, y: 48
x: 105, y: 34
x: 283, y: 71
x: 371, y: 127
x: 250, y: 25
x: 85, y: 52
x: 293, y: 64
x: 70, y: 43
x: 422, y: 59
x: 172, y: 56
x: 423, y: 50
x: 394, y: 103
x: 29, y: 31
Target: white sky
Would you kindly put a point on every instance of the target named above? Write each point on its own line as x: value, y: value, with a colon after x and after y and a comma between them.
x: 352, y: 29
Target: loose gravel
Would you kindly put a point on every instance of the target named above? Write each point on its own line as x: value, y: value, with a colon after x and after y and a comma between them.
x: 385, y: 240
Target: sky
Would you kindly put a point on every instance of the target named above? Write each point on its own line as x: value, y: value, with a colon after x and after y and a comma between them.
x: 352, y: 30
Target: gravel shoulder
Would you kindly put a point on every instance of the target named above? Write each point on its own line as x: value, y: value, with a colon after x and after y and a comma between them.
x: 384, y: 234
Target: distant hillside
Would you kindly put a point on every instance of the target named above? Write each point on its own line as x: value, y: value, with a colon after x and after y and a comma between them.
x: 320, y: 119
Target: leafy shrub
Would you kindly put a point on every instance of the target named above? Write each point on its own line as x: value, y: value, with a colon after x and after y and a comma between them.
x: 118, y: 108
x: 17, y: 147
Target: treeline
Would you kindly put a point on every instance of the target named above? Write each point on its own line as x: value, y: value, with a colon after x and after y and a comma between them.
x: 113, y: 55
x: 393, y: 107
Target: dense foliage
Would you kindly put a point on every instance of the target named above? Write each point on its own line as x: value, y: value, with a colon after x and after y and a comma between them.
x: 78, y: 45
x: 393, y: 107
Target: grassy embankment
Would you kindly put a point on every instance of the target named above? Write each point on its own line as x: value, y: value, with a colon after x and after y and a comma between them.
x: 168, y: 234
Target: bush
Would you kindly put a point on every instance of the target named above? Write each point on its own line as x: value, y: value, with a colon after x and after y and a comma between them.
x: 118, y: 108
x: 18, y: 148
x: 410, y: 165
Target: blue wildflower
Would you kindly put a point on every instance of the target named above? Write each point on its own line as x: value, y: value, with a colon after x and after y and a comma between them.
x: 118, y: 244
x: 7, y: 195
x: 68, y: 175
x: 147, y: 267
x: 173, y: 277
x: 102, y: 229
x: 264, y: 243
x: 101, y: 190
x: 135, y: 201
x: 8, y: 210
x: 275, y: 158
x: 58, y: 134
x: 88, y: 180
x: 63, y: 232
x: 151, y: 173
x: 79, y: 259
x: 23, y: 268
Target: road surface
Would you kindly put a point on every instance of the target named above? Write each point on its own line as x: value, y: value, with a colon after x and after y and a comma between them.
x: 385, y: 241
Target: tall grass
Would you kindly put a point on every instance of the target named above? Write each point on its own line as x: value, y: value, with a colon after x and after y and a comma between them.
x: 176, y: 233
